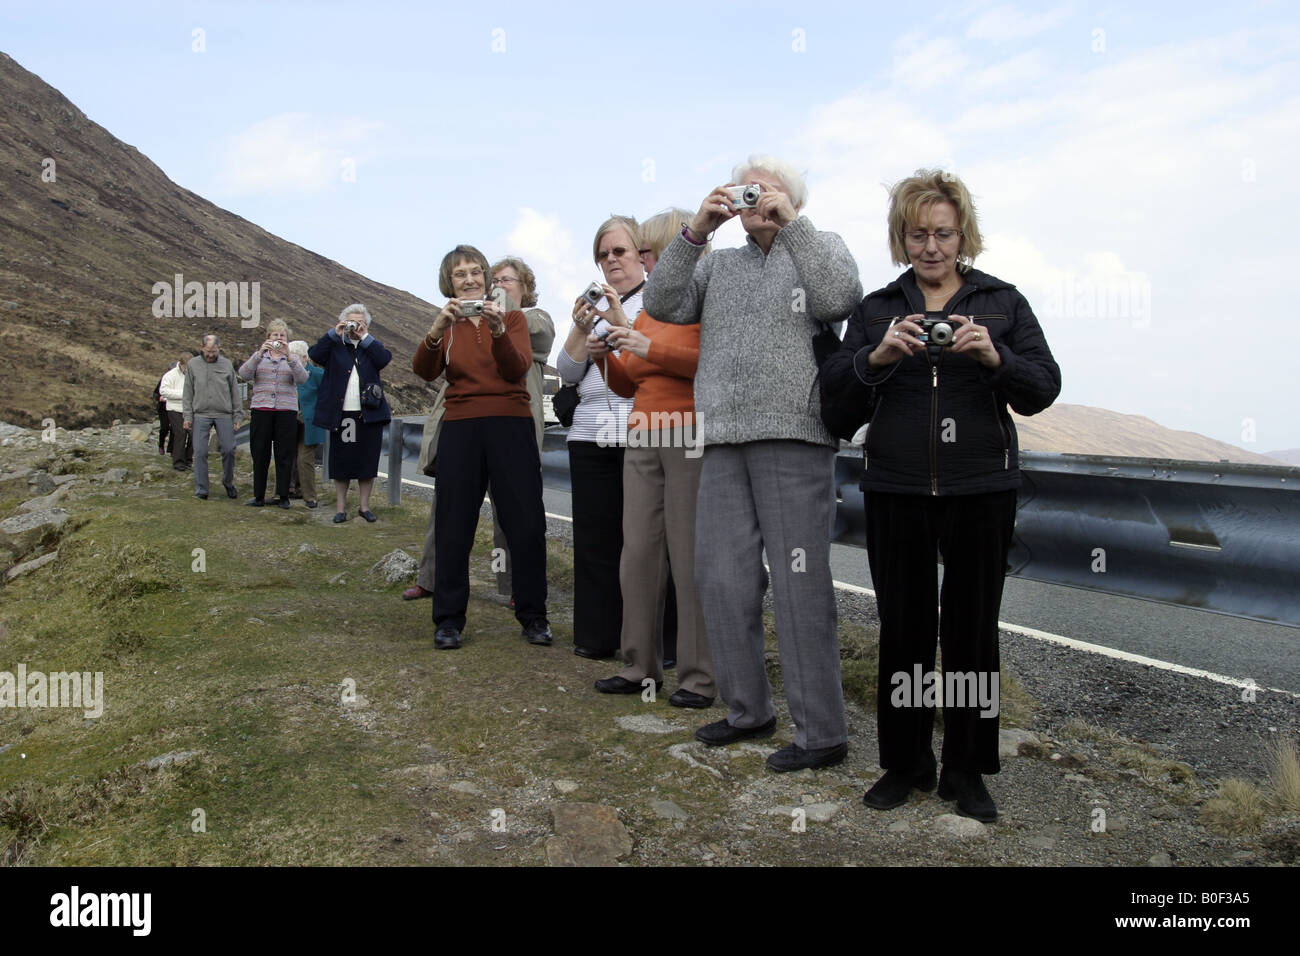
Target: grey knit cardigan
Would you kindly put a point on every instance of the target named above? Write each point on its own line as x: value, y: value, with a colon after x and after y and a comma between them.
x: 756, y: 379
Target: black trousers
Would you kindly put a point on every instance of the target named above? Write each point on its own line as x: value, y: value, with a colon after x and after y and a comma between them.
x: 905, y: 536
x: 596, y: 478
x: 180, y: 442
x: 474, y: 454
x: 270, y: 430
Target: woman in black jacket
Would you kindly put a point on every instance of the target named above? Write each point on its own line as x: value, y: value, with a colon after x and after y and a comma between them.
x: 940, y: 353
x: 350, y: 404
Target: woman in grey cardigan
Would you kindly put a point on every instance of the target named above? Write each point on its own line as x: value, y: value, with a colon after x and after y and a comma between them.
x: 766, y: 480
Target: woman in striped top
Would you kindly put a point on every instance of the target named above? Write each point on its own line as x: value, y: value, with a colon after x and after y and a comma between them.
x: 276, y: 374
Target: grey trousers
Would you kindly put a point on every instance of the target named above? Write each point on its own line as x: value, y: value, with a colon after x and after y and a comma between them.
x: 659, y: 493
x: 778, y: 496
x: 202, y: 430
x: 424, y: 578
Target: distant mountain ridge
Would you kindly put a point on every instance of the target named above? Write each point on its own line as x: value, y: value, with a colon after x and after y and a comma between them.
x: 1085, y: 430
x: 80, y: 255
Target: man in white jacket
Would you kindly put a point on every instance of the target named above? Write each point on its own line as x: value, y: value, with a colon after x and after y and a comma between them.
x: 172, y: 390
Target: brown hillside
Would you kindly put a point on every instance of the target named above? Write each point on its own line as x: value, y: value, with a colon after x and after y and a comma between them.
x: 1084, y: 430
x: 79, y: 257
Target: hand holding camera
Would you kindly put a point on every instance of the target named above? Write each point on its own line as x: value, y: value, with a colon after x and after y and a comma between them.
x: 598, y: 343
x: 974, y: 341
x: 902, y: 339
x: 629, y: 340
x: 717, y: 208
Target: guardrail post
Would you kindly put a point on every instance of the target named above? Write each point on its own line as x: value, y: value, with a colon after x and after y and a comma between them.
x: 325, y: 462
x: 395, y: 428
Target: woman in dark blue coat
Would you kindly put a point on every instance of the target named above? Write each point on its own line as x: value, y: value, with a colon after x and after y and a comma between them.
x: 351, y: 405
x: 939, y: 354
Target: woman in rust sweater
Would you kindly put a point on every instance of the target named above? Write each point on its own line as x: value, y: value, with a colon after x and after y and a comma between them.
x: 486, y: 438
x: 661, y: 476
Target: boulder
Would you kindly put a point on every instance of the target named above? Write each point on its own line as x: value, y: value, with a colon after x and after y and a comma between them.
x: 395, y: 567
x: 586, y: 834
x: 24, y: 533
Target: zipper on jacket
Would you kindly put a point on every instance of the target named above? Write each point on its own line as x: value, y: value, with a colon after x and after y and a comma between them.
x: 1006, y: 437
x: 934, y: 417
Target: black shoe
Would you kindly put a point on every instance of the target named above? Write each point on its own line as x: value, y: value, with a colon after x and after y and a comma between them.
x: 232, y: 491
x: 538, y: 632
x: 795, y: 757
x: 967, y: 788
x: 592, y: 654
x: 310, y: 504
x: 340, y: 517
x: 721, y: 732
x: 446, y: 638
x: 199, y: 494
x: 282, y: 503
x: 255, y: 503
x: 686, y: 698
x: 670, y: 663
x: 368, y: 515
x: 621, y: 685
x: 180, y: 466
x: 893, y: 789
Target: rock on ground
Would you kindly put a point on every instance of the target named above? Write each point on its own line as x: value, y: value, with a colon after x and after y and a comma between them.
x: 396, y: 566
x: 586, y: 834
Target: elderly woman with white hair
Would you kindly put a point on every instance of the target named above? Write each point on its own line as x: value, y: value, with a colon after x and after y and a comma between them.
x: 351, y: 406
x: 276, y: 374
x: 766, y: 475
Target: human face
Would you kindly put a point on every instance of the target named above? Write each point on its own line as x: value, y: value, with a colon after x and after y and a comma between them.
x: 648, y: 260
x: 279, y: 335
x: 210, y: 349
x: 935, y: 262
x: 751, y: 219
x: 468, y: 280
x: 508, y: 279
x: 620, y: 260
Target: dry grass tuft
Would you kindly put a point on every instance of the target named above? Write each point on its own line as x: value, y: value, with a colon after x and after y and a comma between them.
x: 1284, y: 775
x: 1236, y: 811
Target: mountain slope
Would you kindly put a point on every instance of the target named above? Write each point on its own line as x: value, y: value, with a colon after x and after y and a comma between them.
x: 79, y: 257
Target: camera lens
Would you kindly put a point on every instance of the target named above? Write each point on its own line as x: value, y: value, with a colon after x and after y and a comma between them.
x: 941, y: 333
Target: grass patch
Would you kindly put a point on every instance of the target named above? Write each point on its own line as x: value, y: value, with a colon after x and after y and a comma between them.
x: 1284, y: 775
x: 1236, y: 810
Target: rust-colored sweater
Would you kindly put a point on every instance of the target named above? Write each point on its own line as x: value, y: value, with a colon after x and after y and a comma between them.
x: 662, y: 382
x: 485, y: 376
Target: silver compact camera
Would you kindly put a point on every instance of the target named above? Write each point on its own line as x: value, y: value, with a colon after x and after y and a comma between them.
x: 278, y: 346
x: 470, y: 307
x: 745, y: 197
x: 936, y: 331
x: 593, y: 294
x: 350, y: 326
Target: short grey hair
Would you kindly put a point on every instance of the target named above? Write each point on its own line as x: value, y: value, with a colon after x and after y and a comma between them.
x: 787, y: 175
x: 216, y: 339
x: 357, y: 307
x: 298, y: 347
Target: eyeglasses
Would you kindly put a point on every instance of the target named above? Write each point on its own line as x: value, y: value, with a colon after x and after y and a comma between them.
x: 919, y: 237
x: 618, y: 252
x: 502, y: 280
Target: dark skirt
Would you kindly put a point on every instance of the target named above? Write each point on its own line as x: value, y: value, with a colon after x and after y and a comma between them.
x: 357, y: 459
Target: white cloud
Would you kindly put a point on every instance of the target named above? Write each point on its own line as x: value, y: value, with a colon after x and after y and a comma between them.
x: 553, y: 255
x: 294, y: 153
x: 1008, y: 23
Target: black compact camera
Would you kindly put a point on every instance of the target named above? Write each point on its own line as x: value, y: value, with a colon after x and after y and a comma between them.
x: 936, y: 330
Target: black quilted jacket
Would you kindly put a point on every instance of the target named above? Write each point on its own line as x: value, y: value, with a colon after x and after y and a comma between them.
x: 940, y: 425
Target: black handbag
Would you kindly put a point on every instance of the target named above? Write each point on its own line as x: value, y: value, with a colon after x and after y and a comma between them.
x: 372, y: 395
x: 842, y: 415
x: 564, y: 403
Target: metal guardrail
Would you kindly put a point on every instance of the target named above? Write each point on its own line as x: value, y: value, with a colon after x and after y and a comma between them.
x: 1217, y: 536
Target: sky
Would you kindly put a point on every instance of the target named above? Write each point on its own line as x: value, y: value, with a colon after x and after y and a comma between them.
x: 1133, y: 165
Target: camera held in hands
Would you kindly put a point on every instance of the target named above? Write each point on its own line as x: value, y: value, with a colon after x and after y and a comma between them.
x: 469, y: 307
x: 278, y: 346
x: 350, y: 326
x: 936, y: 330
x: 594, y: 295
x: 745, y: 197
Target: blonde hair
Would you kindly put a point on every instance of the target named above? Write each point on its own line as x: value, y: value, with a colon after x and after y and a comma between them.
x: 526, y: 278
x: 659, y: 229
x: 908, y: 198
x: 277, y: 325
